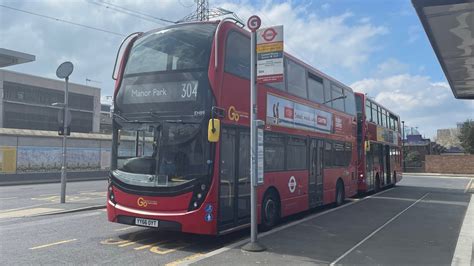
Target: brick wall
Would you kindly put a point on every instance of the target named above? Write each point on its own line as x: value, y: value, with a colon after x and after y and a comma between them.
x: 449, y: 164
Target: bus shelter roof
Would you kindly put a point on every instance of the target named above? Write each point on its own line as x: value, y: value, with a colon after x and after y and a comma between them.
x: 449, y: 25
x: 10, y: 57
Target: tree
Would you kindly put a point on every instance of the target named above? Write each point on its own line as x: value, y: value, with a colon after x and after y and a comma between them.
x: 413, y: 159
x: 466, y: 136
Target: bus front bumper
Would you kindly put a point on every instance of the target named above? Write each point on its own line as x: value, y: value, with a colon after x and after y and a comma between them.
x: 189, y: 222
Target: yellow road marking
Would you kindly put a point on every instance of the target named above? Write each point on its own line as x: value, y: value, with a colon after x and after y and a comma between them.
x: 125, y: 228
x: 53, y: 244
x: 134, y: 242
x: 169, y: 248
x: 112, y: 241
x: 183, y: 260
x: 27, y: 212
x: 151, y: 245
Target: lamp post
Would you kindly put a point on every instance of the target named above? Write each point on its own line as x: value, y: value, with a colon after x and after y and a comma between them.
x: 403, y: 145
x: 63, y: 72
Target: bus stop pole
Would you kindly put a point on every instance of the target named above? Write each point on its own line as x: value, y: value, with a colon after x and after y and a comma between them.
x: 65, y: 125
x: 253, y: 246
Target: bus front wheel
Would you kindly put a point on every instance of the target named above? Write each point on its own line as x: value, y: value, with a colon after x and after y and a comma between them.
x: 270, y: 210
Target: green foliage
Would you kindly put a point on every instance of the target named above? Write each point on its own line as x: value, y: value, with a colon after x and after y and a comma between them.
x: 413, y: 156
x: 466, y: 136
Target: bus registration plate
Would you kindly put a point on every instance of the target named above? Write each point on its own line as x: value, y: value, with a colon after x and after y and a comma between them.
x: 146, y: 222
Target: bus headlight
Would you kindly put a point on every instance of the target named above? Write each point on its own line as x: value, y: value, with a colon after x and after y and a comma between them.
x: 199, y: 194
x: 111, y: 193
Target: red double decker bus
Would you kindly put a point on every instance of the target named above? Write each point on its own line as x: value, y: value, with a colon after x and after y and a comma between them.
x: 181, y: 136
x: 379, y: 145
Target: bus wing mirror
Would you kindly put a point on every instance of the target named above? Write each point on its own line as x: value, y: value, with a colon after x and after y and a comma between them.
x: 213, y: 130
x: 367, y: 145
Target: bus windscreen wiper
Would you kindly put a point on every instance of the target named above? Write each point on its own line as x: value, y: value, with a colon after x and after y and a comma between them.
x: 135, y: 121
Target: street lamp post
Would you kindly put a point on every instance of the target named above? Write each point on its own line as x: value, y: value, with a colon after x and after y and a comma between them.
x: 63, y: 72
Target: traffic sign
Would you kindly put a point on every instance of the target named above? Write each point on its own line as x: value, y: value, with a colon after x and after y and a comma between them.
x: 270, y: 55
x: 254, y: 23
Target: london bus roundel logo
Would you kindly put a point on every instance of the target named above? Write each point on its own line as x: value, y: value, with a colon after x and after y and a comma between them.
x: 269, y: 34
x: 292, y: 184
x: 254, y: 23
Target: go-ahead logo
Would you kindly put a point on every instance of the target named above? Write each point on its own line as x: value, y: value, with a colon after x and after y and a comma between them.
x: 144, y: 203
x: 232, y: 114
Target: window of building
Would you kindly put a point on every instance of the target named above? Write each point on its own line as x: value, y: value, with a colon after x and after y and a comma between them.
x: 315, y: 88
x: 43, y: 96
x: 296, y: 154
x: 274, y: 149
x: 237, y: 56
x: 296, y: 79
x: 43, y: 118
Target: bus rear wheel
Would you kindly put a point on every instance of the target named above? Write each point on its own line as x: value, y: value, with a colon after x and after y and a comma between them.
x: 270, y: 210
x: 340, y: 195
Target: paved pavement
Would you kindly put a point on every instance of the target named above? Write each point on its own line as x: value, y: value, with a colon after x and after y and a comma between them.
x: 409, y: 224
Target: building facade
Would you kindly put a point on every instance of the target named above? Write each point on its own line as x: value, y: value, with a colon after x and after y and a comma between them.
x: 105, y: 119
x: 26, y: 103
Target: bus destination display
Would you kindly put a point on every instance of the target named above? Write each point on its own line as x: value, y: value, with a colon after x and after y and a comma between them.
x: 181, y: 91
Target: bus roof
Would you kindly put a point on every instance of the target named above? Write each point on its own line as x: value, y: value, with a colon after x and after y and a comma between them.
x: 367, y: 98
x: 305, y: 65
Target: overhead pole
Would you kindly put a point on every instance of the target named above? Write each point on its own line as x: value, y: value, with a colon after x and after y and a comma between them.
x: 202, y: 10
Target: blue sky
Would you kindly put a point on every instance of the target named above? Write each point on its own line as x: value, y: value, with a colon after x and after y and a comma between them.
x: 377, y: 47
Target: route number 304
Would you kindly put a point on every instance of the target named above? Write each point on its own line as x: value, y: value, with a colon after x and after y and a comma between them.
x: 189, y: 89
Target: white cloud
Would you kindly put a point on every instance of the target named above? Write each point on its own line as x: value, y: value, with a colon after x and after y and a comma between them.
x: 418, y: 100
x: 325, y: 42
x: 331, y: 43
x: 390, y: 67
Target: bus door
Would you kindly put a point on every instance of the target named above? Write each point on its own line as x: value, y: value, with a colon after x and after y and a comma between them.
x: 316, y: 173
x: 234, y: 184
x: 369, y: 170
x: 387, y: 164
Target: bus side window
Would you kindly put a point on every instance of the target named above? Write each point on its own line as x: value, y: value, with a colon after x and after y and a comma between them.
x: 368, y: 111
x: 328, y: 154
x: 237, y: 55
x: 296, y: 154
x: 315, y: 88
x: 274, y: 152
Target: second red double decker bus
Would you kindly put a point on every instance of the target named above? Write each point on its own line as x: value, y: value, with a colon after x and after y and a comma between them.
x: 169, y: 174
x: 379, y: 145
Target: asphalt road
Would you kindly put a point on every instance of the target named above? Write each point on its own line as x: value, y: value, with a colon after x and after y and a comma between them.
x: 27, y: 196
x: 426, y: 232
